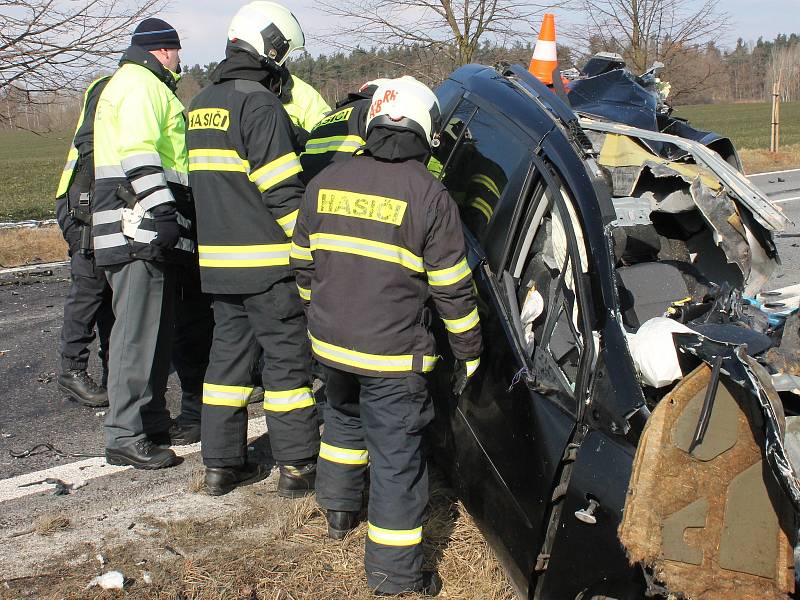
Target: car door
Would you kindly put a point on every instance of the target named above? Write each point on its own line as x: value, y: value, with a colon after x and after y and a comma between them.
x: 509, y: 429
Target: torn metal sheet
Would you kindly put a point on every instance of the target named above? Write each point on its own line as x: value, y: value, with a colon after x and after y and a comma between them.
x: 766, y: 213
x: 719, y: 213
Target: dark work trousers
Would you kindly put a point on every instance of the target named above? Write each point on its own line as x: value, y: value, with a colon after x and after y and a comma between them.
x: 194, y: 329
x: 141, y: 344
x: 379, y: 421
x: 274, y: 321
x: 88, y: 304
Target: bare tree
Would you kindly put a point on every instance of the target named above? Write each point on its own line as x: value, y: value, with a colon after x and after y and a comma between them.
x: 645, y: 31
x: 434, y: 30
x: 47, y: 47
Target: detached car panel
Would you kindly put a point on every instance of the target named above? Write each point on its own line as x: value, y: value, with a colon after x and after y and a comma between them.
x: 570, y: 258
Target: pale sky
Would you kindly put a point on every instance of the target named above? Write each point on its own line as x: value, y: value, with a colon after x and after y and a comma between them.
x: 203, y: 24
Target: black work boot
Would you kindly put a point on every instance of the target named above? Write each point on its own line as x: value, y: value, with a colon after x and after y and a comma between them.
x: 431, y: 586
x: 143, y: 454
x: 341, y: 522
x: 183, y: 435
x: 296, y: 482
x: 221, y: 480
x: 80, y: 386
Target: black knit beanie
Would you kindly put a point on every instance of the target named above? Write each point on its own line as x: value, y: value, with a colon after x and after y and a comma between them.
x: 155, y: 34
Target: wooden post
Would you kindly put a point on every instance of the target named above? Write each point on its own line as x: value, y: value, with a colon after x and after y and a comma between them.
x: 775, y: 132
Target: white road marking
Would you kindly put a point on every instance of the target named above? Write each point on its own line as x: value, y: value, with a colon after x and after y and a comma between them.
x: 782, y: 200
x: 773, y: 173
x: 92, y: 468
x: 34, y: 267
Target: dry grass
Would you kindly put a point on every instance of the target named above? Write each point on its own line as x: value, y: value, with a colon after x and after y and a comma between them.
x: 224, y: 559
x: 764, y: 161
x: 50, y: 524
x: 196, y: 480
x: 29, y: 246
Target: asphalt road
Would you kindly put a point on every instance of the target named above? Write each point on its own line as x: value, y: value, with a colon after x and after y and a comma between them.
x: 33, y: 411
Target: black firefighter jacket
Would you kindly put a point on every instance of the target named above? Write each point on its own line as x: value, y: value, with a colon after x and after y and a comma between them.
x: 337, y: 136
x: 375, y: 240
x: 243, y: 171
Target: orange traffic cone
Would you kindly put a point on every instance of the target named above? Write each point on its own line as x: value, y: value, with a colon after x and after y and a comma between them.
x: 545, y: 59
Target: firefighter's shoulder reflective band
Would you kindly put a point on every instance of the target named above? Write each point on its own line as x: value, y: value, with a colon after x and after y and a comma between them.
x: 288, y: 400
x: 304, y: 293
x: 300, y: 252
x: 367, y: 248
x: 217, y: 159
x: 394, y: 537
x: 264, y: 255
x: 343, y: 456
x: 361, y: 206
x: 335, y: 143
x: 472, y: 366
x: 288, y: 222
x: 236, y: 396
x: 276, y: 171
x: 451, y: 275
x: 484, y: 207
x: 369, y: 362
x: 463, y: 324
x: 485, y: 181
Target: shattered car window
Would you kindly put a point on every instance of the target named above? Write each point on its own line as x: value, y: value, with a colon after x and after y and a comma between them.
x: 548, y: 299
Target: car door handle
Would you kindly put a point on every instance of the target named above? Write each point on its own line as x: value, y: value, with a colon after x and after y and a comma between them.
x: 586, y: 515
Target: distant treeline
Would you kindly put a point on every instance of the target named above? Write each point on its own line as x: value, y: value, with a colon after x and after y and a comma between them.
x: 705, y: 74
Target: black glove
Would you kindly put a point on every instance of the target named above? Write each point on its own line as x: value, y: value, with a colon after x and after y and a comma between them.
x: 462, y: 373
x: 167, y: 229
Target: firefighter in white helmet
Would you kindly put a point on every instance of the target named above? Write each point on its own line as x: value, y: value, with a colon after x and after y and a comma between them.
x: 304, y: 105
x: 377, y: 238
x: 245, y: 175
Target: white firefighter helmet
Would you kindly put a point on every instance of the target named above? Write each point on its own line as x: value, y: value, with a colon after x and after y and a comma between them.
x: 267, y: 29
x: 405, y: 103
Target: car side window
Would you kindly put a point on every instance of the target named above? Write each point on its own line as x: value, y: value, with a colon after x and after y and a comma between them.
x: 486, y: 155
x: 450, y: 136
x: 547, y: 269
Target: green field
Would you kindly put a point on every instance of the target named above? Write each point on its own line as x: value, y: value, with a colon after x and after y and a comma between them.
x: 748, y: 125
x: 30, y: 166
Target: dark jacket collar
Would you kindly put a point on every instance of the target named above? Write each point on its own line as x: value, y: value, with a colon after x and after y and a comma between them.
x: 395, y: 145
x: 239, y: 64
x: 138, y: 56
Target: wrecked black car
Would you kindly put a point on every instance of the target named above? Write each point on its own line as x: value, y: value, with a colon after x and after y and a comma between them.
x: 626, y: 436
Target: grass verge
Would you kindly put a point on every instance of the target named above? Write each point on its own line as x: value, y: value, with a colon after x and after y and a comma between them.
x: 228, y: 559
x: 30, y: 246
x: 763, y: 161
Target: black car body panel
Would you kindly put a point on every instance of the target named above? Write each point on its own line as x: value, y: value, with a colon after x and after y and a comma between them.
x: 545, y: 434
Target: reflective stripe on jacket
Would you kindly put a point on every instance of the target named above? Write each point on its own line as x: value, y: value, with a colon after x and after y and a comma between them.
x: 83, y: 132
x: 336, y: 137
x: 244, y: 175
x: 374, y: 242
x: 139, y: 141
